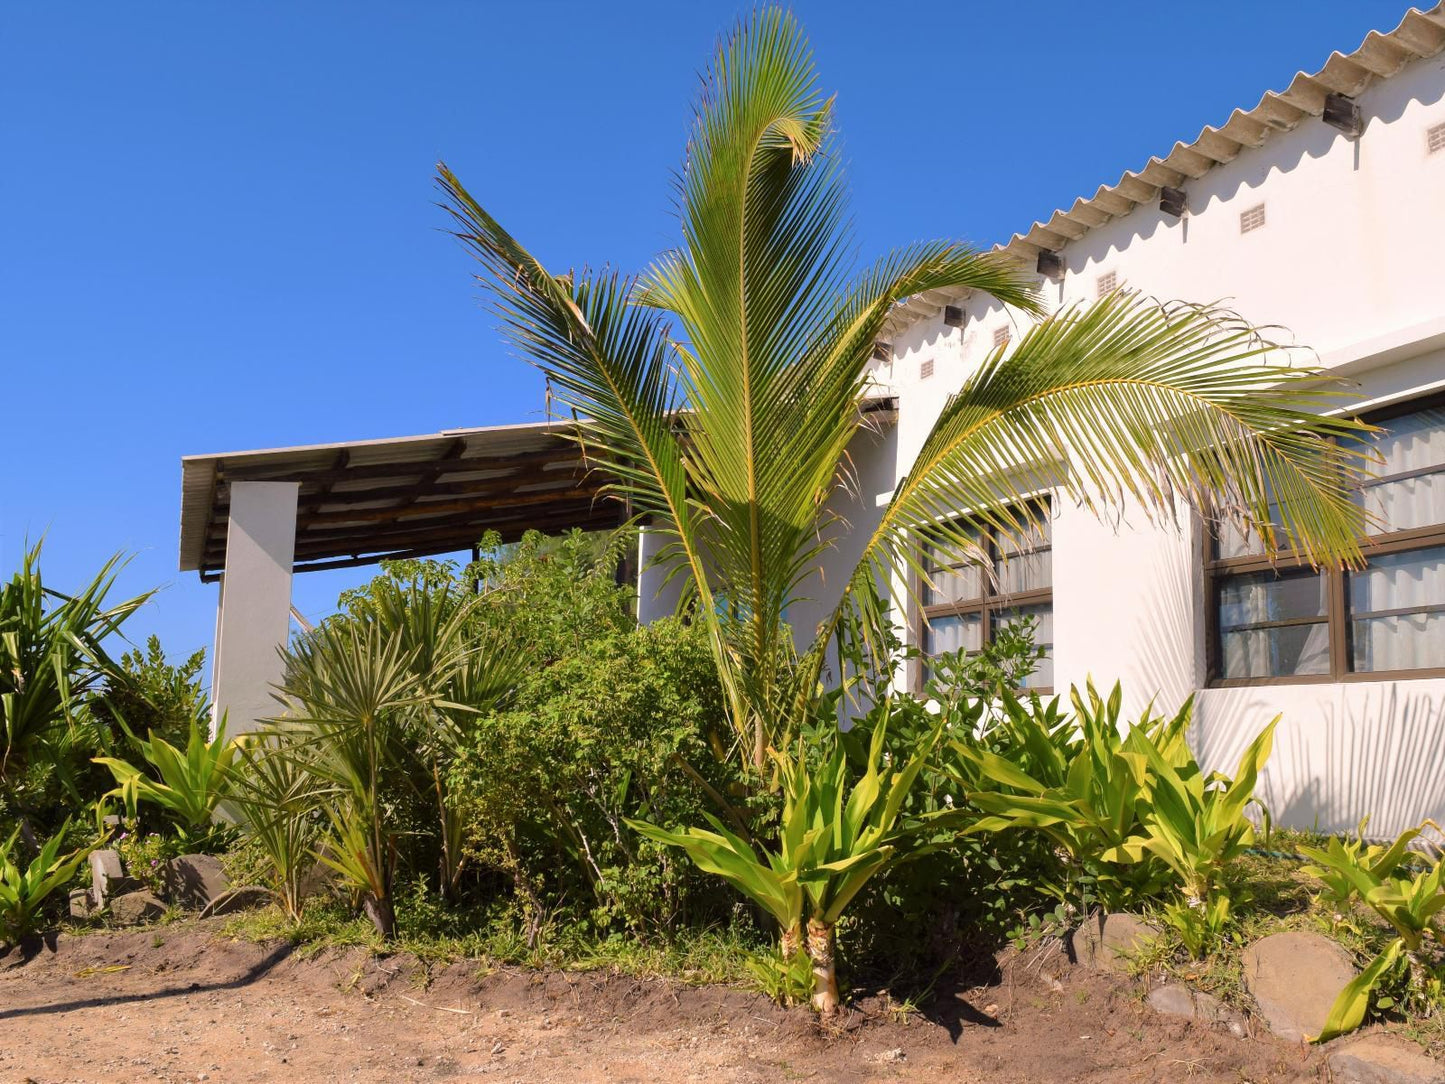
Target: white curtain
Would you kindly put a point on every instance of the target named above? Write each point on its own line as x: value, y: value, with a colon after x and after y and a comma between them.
x: 1400, y: 581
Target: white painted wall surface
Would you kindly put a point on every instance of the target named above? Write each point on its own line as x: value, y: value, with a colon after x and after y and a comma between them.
x: 254, y: 619
x: 1347, y: 264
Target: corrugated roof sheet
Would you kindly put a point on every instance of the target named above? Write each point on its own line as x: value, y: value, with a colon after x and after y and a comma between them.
x: 362, y: 501
x: 1421, y: 34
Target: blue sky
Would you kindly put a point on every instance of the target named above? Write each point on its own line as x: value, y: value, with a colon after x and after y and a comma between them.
x: 217, y: 227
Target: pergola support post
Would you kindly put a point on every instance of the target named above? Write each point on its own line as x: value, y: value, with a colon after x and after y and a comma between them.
x: 253, y: 620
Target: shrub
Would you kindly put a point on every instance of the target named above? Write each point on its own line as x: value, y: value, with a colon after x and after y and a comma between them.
x: 626, y: 726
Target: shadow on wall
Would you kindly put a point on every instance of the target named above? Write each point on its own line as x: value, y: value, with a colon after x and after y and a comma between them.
x: 1341, y: 754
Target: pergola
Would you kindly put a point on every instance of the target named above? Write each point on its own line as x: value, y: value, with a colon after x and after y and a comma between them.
x: 252, y: 519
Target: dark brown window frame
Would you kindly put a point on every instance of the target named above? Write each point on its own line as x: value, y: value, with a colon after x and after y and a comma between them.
x: 1337, y: 617
x: 989, y: 604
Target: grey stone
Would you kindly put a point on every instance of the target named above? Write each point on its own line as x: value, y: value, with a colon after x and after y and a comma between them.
x: 134, y: 908
x: 194, y: 880
x: 1107, y: 941
x: 108, y: 877
x: 1383, y: 1059
x: 80, y: 903
x: 1177, y: 1000
x: 238, y: 899
x: 1294, y: 978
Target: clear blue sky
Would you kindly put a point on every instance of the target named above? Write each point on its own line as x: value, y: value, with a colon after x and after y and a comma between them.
x: 217, y: 229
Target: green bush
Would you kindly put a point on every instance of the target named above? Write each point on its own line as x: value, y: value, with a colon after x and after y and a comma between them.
x: 628, y: 725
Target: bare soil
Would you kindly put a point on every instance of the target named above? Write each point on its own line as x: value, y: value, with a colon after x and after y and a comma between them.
x: 182, y: 1003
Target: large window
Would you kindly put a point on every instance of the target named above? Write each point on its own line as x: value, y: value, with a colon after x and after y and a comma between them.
x: 966, y: 604
x: 1289, y: 623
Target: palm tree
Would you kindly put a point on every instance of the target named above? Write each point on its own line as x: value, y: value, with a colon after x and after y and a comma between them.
x: 721, y: 389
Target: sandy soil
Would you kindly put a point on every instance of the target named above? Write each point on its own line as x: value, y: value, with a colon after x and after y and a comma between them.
x: 181, y: 1003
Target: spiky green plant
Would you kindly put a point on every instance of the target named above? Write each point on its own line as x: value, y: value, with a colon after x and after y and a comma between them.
x: 1404, y: 889
x: 277, y: 800
x: 52, y: 656
x: 25, y: 889
x: 189, y: 785
x: 838, y: 829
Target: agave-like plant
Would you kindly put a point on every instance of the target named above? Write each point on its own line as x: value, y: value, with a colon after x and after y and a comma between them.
x: 838, y: 829
x: 24, y: 889
x: 189, y: 784
x: 52, y: 655
x: 1081, y: 780
x: 1196, y: 823
x: 720, y: 394
x: 1406, y: 891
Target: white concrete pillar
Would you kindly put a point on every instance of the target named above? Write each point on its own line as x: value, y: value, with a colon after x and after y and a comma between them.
x: 253, y: 621
x: 655, y: 600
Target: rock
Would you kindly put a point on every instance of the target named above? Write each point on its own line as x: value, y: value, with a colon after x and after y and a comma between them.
x: 1177, y: 1000
x: 134, y: 908
x: 107, y: 877
x: 194, y: 880
x: 1383, y: 1059
x: 80, y: 903
x: 1295, y: 978
x: 238, y: 899
x: 1107, y: 941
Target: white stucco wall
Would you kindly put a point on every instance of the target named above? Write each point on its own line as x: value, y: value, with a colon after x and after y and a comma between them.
x: 1347, y: 264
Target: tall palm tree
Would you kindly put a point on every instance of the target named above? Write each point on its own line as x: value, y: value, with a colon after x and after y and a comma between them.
x: 720, y: 392
x: 721, y: 389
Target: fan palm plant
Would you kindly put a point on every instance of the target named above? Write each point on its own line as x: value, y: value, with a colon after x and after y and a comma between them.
x: 721, y: 390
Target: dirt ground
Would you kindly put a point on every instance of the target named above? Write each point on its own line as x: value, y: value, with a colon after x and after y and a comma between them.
x: 181, y: 1003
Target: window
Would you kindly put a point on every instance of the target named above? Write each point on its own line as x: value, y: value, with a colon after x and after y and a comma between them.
x: 964, y: 605
x: 1252, y: 219
x: 1289, y: 623
x: 1106, y: 284
x: 1000, y: 337
x: 925, y: 369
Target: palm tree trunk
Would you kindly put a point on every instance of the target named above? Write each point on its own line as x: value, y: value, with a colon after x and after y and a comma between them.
x: 821, y: 945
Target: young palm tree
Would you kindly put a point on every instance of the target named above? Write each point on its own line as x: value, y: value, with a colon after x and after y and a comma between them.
x: 720, y: 390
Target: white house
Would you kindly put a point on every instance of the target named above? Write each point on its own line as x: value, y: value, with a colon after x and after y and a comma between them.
x: 1321, y: 210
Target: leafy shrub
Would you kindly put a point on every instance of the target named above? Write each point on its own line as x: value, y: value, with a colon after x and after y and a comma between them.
x: 625, y: 726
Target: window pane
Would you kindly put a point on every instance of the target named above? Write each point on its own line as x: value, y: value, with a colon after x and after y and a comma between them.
x: 1413, y: 444
x: 1043, y: 677
x: 1248, y: 605
x: 1235, y: 542
x: 962, y: 633
x: 1255, y: 597
x: 954, y: 585
x: 1407, y: 590
x: 1276, y: 652
x: 1024, y: 572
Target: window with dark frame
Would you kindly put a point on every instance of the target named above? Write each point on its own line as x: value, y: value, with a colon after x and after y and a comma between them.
x: 1285, y: 622
x: 964, y: 607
